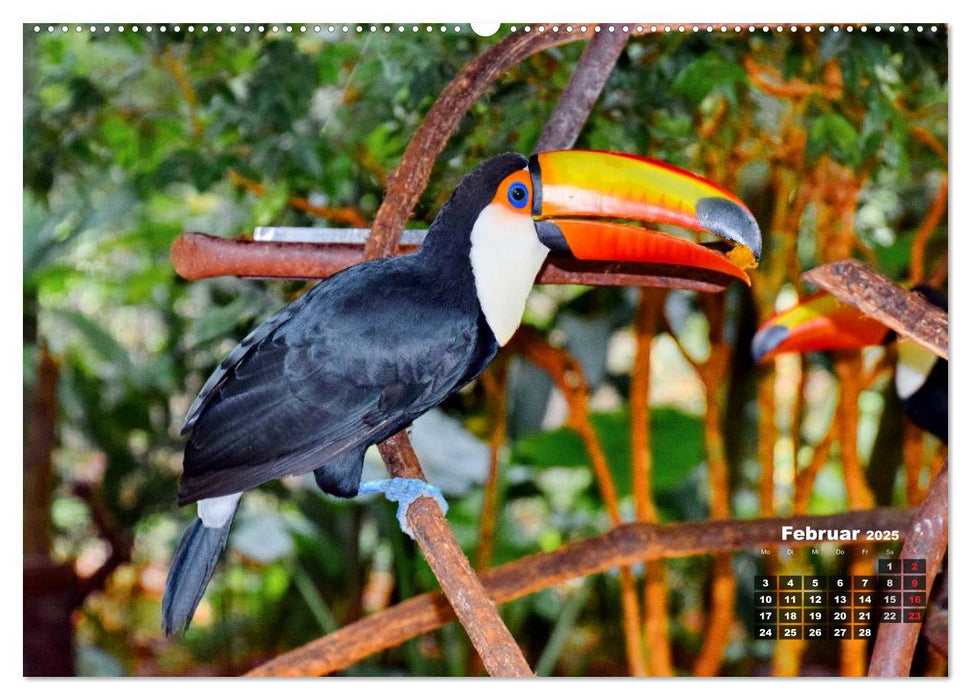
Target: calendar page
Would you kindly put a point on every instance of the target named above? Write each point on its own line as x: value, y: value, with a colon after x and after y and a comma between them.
x: 569, y: 348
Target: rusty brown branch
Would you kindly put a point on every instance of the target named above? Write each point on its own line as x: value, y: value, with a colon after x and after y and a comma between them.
x: 589, y: 77
x: 926, y: 539
x: 713, y: 374
x: 39, y: 442
x: 767, y: 432
x: 908, y: 313
x: 499, y: 652
x: 650, y: 307
x: 849, y: 368
x: 497, y: 649
x: 199, y: 256
x: 935, y: 627
x: 622, y: 546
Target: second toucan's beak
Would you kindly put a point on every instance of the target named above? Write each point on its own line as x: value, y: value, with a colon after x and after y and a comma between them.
x: 819, y: 322
x: 582, y: 199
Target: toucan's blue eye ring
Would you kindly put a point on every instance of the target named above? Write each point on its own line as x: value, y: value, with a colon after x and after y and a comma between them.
x: 518, y: 195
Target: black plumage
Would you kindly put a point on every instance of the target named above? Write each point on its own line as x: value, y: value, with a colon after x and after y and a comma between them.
x: 350, y: 363
x: 928, y: 406
x: 190, y: 571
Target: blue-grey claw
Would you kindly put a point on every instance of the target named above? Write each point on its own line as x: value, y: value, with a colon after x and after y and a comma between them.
x: 404, y: 492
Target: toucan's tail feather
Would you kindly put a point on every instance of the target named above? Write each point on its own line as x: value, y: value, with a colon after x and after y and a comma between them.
x: 189, y: 573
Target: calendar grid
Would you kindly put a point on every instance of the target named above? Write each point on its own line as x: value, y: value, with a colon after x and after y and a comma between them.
x: 793, y: 606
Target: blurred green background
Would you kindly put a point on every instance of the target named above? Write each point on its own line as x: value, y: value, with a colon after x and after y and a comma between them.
x: 131, y: 138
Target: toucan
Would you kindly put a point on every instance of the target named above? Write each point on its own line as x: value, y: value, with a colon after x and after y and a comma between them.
x: 820, y: 322
x: 365, y: 352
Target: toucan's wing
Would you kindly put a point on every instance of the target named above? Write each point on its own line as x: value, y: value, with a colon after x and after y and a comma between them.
x: 233, y: 359
x: 343, y: 367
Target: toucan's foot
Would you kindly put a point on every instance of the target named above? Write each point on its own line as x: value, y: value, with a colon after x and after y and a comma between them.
x: 404, y: 492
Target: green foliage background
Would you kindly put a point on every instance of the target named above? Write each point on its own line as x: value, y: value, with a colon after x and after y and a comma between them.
x: 130, y: 139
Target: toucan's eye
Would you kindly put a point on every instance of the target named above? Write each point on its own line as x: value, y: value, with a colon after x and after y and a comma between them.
x: 518, y: 195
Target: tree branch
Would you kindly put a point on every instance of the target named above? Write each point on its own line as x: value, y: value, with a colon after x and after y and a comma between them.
x: 589, y: 77
x: 199, y: 256
x: 499, y: 652
x: 624, y: 545
x: 908, y: 313
x: 926, y: 539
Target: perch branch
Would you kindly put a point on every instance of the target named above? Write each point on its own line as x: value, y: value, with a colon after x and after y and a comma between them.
x: 624, y: 545
x: 198, y: 256
x: 926, y: 539
x: 499, y: 652
x: 908, y: 313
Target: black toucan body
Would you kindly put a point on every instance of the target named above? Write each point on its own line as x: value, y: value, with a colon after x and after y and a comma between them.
x: 367, y: 351
x: 820, y: 322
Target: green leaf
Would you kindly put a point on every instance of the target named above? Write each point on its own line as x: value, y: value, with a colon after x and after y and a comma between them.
x: 833, y: 134
x: 677, y: 447
x: 709, y: 74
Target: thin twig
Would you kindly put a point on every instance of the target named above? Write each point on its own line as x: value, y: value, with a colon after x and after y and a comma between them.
x: 173, y: 64
x: 650, y: 307
x: 494, y: 381
x: 567, y: 374
x: 924, y: 231
x: 622, y: 546
x: 346, y: 215
x: 714, y: 374
x: 120, y: 541
x: 926, y: 539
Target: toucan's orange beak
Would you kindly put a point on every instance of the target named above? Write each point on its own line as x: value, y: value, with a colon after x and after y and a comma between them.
x: 819, y: 322
x: 582, y: 199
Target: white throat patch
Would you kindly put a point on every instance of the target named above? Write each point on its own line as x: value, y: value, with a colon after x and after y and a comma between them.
x: 506, y: 256
x: 914, y: 364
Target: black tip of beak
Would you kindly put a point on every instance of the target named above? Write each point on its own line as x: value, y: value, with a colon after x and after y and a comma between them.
x: 730, y: 221
x: 767, y: 340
